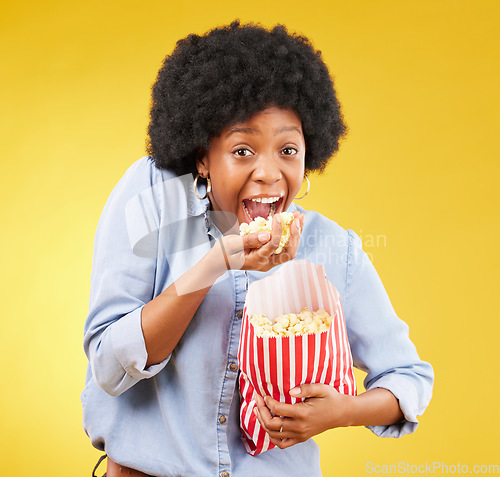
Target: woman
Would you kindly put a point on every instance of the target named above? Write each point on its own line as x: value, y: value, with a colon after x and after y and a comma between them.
x: 247, y: 112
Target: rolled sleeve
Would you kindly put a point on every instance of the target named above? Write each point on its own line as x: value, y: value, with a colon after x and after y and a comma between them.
x: 380, y: 343
x: 129, y: 348
x: 408, y: 399
x: 120, y: 359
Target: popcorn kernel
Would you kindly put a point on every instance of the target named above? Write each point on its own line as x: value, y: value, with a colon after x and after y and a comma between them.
x: 292, y: 324
x: 260, y: 224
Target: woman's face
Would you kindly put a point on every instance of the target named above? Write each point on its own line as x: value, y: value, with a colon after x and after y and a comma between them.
x: 256, y: 167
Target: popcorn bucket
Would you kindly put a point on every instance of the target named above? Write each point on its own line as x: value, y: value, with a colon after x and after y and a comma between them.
x: 274, y: 365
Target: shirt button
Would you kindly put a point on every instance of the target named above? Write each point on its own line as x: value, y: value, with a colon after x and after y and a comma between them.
x: 239, y: 315
x: 233, y: 367
x: 224, y: 474
x: 222, y: 420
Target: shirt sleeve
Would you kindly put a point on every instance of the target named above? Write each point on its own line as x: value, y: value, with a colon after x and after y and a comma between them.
x: 122, y: 282
x: 380, y: 342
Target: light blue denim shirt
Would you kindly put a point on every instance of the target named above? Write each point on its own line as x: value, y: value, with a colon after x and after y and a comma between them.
x: 180, y: 417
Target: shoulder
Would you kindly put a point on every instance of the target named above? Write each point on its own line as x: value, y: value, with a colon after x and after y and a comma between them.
x: 143, y: 174
x: 324, y: 241
x: 143, y: 185
x: 321, y: 231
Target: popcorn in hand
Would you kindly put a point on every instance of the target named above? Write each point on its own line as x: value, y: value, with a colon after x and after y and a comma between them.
x: 292, y: 324
x: 260, y: 224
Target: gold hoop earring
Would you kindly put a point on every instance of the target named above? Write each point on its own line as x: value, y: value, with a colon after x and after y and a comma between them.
x: 307, y: 191
x: 195, y: 187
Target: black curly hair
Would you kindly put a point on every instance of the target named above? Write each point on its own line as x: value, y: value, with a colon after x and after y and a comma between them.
x: 224, y: 77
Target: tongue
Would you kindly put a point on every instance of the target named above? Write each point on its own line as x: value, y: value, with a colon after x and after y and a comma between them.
x: 257, y: 209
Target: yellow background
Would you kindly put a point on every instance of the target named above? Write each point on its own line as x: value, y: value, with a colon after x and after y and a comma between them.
x: 417, y: 178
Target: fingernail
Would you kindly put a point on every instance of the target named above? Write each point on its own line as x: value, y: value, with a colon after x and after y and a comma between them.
x: 294, y: 392
x: 263, y: 237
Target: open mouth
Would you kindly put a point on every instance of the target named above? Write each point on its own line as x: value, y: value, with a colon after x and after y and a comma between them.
x: 261, y: 207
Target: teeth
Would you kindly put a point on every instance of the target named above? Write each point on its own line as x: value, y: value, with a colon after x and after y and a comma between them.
x: 271, y: 212
x: 266, y: 200
x: 269, y: 200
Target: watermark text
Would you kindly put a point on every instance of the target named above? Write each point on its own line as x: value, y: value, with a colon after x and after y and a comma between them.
x: 439, y: 468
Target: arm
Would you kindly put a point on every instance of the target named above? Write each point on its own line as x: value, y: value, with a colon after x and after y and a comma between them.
x: 113, y: 339
x: 398, y: 383
x: 323, y: 408
x: 130, y: 333
x: 377, y: 407
x: 381, y: 345
x: 165, y: 318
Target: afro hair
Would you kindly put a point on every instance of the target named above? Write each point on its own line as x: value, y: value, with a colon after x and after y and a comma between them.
x: 224, y: 77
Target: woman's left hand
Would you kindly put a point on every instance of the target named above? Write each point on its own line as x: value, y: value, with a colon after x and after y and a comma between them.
x: 288, y: 424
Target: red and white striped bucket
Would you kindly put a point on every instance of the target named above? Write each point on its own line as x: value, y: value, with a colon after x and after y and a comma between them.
x: 273, y: 366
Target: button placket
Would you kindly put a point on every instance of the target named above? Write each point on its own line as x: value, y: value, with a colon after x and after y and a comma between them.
x: 229, y: 384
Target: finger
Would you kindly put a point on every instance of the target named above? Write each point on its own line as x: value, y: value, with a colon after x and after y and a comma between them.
x: 295, y: 232
x: 284, y: 443
x: 299, y: 221
x: 261, y: 406
x: 256, y: 239
x: 261, y: 419
x: 271, y: 422
x: 302, y: 218
x: 259, y: 401
x: 309, y: 390
x: 233, y: 246
x: 277, y: 227
x: 276, y: 231
x: 275, y: 435
x: 280, y: 408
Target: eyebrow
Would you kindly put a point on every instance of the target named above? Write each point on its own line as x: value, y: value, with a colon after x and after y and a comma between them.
x: 234, y: 130
x: 281, y: 130
x: 286, y: 129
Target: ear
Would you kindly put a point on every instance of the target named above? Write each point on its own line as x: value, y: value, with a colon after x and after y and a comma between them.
x: 202, y: 163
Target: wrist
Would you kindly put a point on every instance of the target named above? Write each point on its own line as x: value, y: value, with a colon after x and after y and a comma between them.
x: 343, y: 411
x: 376, y: 407
x: 356, y: 411
x: 352, y: 411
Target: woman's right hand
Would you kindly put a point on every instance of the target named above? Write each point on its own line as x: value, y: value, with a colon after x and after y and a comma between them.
x: 256, y: 251
x: 165, y: 318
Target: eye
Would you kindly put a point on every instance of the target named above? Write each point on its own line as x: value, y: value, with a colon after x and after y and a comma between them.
x: 242, y: 152
x: 289, y: 151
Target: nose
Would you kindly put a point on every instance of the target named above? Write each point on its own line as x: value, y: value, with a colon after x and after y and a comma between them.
x: 267, y: 169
